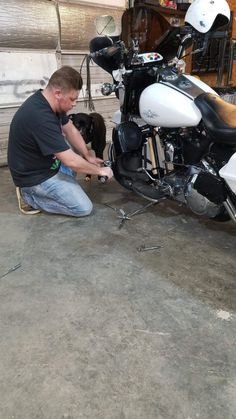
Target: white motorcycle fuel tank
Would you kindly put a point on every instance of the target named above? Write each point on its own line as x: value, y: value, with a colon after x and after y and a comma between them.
x: 170, y: 103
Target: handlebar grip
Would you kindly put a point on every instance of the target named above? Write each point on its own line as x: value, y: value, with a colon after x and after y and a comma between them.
x: 106, y: 163
x: 106, y: 52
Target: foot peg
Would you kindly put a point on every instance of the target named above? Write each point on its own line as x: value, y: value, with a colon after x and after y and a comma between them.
x: 149, y: 192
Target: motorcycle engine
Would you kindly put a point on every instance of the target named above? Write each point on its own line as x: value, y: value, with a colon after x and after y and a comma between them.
x: 182, y: 187
x: 206, y: 192
x: 195, y: 186
x: 184, y: 146
x: 192, y: 180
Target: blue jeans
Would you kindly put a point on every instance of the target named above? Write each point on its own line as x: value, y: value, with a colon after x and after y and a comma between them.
x: 61, y: 194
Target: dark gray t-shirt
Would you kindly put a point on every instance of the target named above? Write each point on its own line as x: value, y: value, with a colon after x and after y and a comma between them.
x: 34, y: 139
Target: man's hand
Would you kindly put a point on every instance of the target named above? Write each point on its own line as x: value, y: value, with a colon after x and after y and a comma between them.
x: 81, y: 165
x: 106, y: 172
x: 94, y: 160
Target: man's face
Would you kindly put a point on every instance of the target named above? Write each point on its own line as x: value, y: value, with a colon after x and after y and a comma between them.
x: 66, y: 101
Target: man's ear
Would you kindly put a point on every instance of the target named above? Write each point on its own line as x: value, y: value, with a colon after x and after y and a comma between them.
x: 57, y: 93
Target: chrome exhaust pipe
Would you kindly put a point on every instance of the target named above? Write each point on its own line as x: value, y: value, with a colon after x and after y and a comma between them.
x: 230, y: 209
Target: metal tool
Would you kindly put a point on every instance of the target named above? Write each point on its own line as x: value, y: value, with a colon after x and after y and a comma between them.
x: 127, y: 216
x: 143, y: 248
x: 123, y: 217
x: 14, y: 268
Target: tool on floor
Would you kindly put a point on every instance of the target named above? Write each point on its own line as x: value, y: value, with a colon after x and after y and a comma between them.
x: 14, y: 268
x: 143, y: 248
x: 127, y: 216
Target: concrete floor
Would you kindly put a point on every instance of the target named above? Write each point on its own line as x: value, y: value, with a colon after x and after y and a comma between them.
x: 92, y: 328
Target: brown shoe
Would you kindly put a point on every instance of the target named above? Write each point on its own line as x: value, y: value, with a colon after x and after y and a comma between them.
x: 23, y: 207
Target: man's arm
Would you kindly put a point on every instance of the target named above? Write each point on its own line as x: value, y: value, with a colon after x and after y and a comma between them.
x: 75, y: 139
x: 80, y: 165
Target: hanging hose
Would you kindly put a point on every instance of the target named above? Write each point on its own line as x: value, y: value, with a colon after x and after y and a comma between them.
x: 88, y: 96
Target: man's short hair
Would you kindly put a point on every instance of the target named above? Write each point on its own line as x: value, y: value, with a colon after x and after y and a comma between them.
x: 66, y: 78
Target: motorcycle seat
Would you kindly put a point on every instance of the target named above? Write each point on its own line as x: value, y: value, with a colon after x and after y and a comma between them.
x: 219, y: 118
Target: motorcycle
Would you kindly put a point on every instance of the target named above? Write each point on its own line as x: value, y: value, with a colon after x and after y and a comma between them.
x: 174, y: 136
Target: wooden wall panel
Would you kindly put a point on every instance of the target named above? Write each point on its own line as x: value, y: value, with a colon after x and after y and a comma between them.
x: 28, y: 24
x: 78, y: 24
x: 232, y: 5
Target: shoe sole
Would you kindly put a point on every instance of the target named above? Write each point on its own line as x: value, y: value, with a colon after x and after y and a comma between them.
x: 21, y: 204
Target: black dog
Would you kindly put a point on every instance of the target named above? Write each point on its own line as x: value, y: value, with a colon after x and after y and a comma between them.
x: 93, y: 130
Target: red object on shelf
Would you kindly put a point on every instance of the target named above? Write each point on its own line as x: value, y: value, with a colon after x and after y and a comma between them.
x: 168, y: 3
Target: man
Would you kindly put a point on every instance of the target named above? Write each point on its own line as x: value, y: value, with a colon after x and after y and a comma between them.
x: 37, y: 147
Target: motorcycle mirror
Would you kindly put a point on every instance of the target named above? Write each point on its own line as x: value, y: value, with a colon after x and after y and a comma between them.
x: 105, y: 25
x: 186, y: 42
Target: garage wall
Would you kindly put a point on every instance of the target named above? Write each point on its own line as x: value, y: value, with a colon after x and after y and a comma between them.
x: 59, y: 32
x: 28, y: 24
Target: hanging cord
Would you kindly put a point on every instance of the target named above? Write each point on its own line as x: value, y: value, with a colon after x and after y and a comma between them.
x: 88, y: 95
x: 59, y: 26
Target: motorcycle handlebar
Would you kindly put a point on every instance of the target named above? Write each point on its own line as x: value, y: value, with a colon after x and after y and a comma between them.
x: 106, y: 52
x: 106, y: 163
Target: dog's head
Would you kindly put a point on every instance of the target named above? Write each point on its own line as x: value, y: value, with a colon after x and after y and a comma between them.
x: 83, y: 122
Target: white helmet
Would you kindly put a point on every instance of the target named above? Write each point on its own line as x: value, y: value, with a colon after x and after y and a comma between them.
x: 204, y: 15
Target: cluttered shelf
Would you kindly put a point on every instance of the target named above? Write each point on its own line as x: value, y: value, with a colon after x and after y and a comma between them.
x: 176, y: 9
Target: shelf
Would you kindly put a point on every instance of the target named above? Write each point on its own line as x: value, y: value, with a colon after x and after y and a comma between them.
x: 164, y: 10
